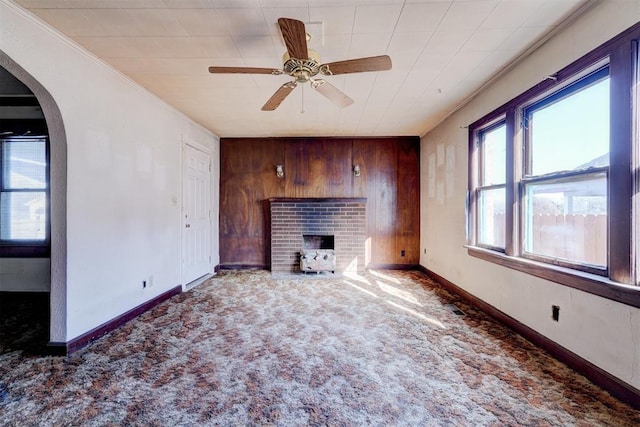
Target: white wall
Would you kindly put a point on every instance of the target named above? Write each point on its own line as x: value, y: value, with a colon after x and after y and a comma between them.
x: 601, y: 331
x: 123, y: 174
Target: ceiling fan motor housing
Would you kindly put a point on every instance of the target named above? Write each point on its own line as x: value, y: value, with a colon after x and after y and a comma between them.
x: 302, y: 69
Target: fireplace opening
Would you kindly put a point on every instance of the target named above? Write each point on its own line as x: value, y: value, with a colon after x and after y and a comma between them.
x: 318, y: 254
x: 315, y: 241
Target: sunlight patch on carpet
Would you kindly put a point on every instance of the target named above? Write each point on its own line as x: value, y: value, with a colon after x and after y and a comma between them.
x: 418, y: 315
x: 361, y: 289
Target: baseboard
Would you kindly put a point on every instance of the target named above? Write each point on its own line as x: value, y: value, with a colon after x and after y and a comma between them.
x: 57, y: 348
x: 615, y: 386
x: 371, y: 266
x: 199, y: 281
x: 8, y: 293
x: 380, y: 266
x: 243, y: 267
x: 81, y: 341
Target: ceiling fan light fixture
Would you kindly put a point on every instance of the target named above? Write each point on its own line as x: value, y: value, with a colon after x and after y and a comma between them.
x: 317, y: 83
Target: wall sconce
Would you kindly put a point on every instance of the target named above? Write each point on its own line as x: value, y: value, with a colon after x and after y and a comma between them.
x: 279, y: 171
x: 356, y: 170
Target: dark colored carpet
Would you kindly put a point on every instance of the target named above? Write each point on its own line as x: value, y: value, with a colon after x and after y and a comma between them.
x: 246, y: 348
x: 24, y: 322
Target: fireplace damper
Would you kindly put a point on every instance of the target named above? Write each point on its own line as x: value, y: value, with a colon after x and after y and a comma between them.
x: 318, y: 254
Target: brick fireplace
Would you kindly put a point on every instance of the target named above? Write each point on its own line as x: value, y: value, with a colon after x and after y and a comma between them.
x: 342, y: 218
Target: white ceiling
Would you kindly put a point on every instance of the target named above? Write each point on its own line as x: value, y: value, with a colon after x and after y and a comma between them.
x: 442, y: 51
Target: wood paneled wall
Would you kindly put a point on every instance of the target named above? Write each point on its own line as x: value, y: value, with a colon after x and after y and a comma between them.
x: 320, y: 167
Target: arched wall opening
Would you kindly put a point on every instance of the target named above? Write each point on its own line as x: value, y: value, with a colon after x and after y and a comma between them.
x: 58, y: 202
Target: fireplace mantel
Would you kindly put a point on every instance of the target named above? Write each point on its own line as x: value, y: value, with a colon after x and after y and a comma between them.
x: 317, y: 199
x: 341, y: 217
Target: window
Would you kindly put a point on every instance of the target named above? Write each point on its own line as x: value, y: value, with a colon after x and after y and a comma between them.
x: 491, y: 191
x: 564, y: 208
x: 23, y: 196
x: 551, y: 176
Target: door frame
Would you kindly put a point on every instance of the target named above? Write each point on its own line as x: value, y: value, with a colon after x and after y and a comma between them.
x: 209, y: 151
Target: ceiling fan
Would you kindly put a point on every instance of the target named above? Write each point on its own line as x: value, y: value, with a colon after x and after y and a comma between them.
x: 303, y: 65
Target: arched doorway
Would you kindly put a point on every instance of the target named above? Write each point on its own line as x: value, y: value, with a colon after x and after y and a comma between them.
x: 57, y: 164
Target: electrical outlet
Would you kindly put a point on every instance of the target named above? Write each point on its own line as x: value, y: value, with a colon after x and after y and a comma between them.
x: 555, y: 312
x: 425, y: 251
x: 144, y: 284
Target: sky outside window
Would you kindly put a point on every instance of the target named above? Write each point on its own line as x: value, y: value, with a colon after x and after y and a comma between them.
x: 572, y: 132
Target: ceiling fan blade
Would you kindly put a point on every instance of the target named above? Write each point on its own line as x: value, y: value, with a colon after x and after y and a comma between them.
x: 295, y: 37
x: 332, y: 93
x: 277, y: 98
x: 359, y: 65
x: 243, y: 70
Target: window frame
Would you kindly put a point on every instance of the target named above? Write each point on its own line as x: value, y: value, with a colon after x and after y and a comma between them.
x: 28, y: 248
x: 620, y: 281
x: 479, y: 141
x: 590, y: 76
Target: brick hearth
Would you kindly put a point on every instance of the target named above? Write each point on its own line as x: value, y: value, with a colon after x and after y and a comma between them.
x: 343, y: 218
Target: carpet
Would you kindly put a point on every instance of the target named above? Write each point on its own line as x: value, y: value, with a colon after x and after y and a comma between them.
x: 248, y: 348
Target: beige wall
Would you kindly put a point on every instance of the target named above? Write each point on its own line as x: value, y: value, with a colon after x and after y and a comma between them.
x: 25, y: 274
x: 601, y: 331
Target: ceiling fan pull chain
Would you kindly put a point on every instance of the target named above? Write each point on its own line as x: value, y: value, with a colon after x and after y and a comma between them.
x: 302, y: 107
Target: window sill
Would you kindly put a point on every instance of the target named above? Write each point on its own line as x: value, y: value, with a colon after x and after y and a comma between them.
x: 591, y: 283
x: 24, y: 251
